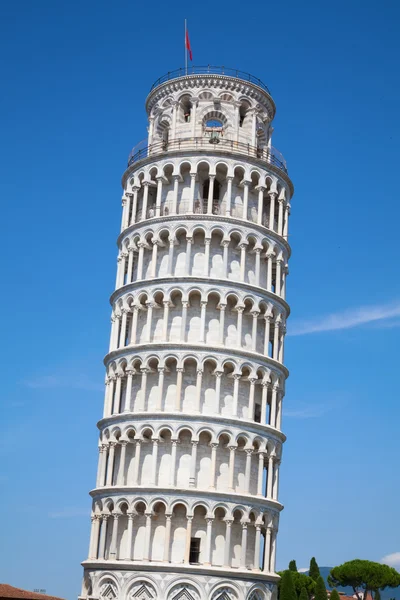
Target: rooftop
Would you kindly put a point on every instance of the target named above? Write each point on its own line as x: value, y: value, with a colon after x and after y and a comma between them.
x: 210, y: 70
x: 8, y: 591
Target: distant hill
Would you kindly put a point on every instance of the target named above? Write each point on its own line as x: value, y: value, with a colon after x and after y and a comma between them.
x: 385, y: 595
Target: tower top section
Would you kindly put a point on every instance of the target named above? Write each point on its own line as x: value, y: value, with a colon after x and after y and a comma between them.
x: 229, y: 85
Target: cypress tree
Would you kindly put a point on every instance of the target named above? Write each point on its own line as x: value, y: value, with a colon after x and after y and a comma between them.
x: 320, y: 590
x: 377, y: 595
x: 292, y: 565
x: 287, y: 589
x: 334, y: 595
x: 314, y: 569
x: 303, y: 594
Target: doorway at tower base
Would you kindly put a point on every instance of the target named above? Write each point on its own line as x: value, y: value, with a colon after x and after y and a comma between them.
x: 99, y: 584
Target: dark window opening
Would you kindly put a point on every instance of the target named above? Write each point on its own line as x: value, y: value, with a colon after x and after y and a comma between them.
x: 257, y: 413
x: 194, y: 555
x: 216, y: 190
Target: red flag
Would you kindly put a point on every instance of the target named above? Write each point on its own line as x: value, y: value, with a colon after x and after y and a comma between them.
x: 188, y: 45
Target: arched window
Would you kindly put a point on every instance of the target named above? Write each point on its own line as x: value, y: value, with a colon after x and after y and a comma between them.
x: 216, y: 190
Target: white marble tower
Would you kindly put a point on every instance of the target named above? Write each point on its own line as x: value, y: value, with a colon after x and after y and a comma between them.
x: 186, y: 499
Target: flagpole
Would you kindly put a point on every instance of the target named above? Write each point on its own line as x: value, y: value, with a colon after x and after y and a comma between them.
x: 185, y: 49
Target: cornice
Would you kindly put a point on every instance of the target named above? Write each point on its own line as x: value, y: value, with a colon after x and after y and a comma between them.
x: 221, y: 283
x: 200, y: 351
x: 239, y: 423
x: 162, y: 567
x: 268, y: 167
x: 206, y: 495
x: 200, y: 217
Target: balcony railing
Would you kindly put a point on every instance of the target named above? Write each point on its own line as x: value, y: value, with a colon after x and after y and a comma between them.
x: 210, y: 70
x: 269, y: 155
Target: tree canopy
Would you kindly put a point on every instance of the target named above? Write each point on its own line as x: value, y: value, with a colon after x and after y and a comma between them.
x: 287, y: 589
x: 303, y: 594
x: 364, y: 576
x: 292, y: 565
x: 314, y: 569
x: 300, y: 581
x: 320, y: 589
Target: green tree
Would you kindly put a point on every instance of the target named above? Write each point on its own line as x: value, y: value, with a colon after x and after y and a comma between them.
x: 303, y: 594
x: 287, y: 589
x: 377, y: 595
x: 292, y: 565
x: 334, y: 595
x: 320, y: 590
x: 314, y: 569
x: 364, y: 576
x: 300, y: 580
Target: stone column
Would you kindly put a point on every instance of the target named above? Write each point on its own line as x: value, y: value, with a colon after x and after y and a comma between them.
x: 172, y: 470
x: 236, y: 379
x: 214, y: 447
x: 275, y: 485
x: 154, y: 463
x: 270, y: 476
x: 160, y: 396
x: 245, y: 198
x: 252, y: 381
x: 102, y: 480
x: 122, y: 335
x: 145, y: 198
x: 264, y: 404
x: 268, y: 319
x: 94, y: 542
x: 114, y: 535
x: 273, y: 406
x: 267, y: 550
x: 171, y: 257
x: 203, y: 305
x: 147, y: 537
x: 193, y: 461
x: 189, y: 242
x: 207, y: 560
x: 211, y: 179
x: 175, y: 196
x: 273, y: 551
x: 229, y: 180
x: 227, y: 553
x: 142, y: 396
x: 131, y: 517
x: 125, y: 210
x: 150, y: 305
x: 165, y: 321
x: 232, y: 452
x: 135, y: 315
x: 167, y: 539
x: 130, y: 265
x: 260, y: 204
x: 154, y: 259
x: 243, y: 261
x: 99, y: 466
x: 278, y: 277
x: 270, y: 258
x: 129, y: 375
x: 272, y: 196
x: 188, y: 538
x: 178, y: 398
x: 110, y: 469
x: 257, y: 546
x: 280, y: 216
x: 207, y: 244
x: 122, y: 461
x: 136, y: 464
x: 222, y: 308
x: 192, y: 191
x: 249, y: 454
x: 244, y: 545
x: 159, y: 195
x: 225, y: 245
x: 197, y: 408
x: 260, y: 479
x: 117, y: 399
x: 134, y: 205
x: 240, y: 310
x: 185, y: 306
x: 277, y: 325
x: 258, y: 264
x: 255, y: 314
x: 218, y: 377
x: 286, y: 223
x: 103, y: 534
x: 141, y: 246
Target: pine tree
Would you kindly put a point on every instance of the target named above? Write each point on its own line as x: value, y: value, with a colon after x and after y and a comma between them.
x: 303, y: 594
x: 292, y: 565
x: 320, y: 590
x: 287, y: 589
x: 314, y: 569
x: 334, y: 595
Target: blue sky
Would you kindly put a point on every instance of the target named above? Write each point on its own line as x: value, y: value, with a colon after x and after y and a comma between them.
x: 74, y: 80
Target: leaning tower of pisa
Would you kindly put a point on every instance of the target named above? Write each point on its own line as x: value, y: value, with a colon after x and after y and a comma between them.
x: 186, y: 505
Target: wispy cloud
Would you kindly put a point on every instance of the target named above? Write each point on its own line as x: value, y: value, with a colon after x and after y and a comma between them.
x: 69, y: 513
x: 349, y: 318
x: 303, y: 570
x: 307, y: 411
x: 72, y: 381
x: 393, y: 560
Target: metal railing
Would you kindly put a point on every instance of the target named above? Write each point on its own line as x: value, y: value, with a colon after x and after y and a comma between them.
x: 269, y: 155
x: 210, y: 70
